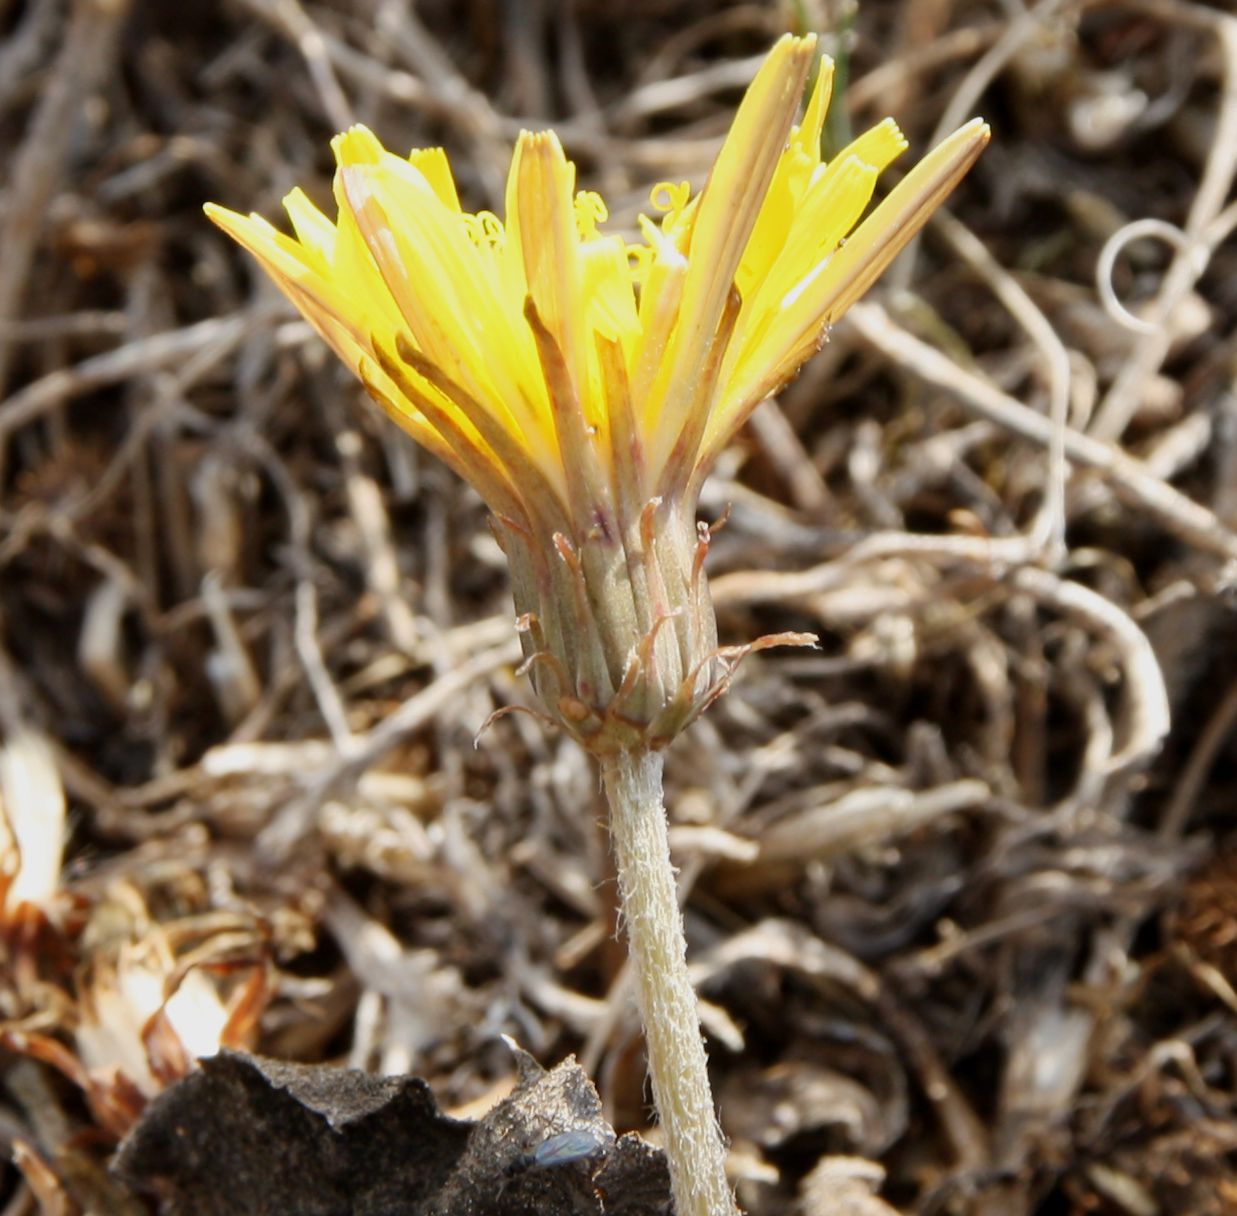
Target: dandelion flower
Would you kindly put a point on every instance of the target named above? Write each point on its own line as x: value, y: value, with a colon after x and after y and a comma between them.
x: 584, y: 383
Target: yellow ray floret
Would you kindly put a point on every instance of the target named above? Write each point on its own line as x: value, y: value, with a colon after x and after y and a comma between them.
x: 569, y: 373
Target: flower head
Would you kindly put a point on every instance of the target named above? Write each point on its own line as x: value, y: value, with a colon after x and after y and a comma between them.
x: 584, y: 383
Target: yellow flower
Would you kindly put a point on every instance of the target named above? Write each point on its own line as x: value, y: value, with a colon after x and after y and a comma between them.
x: 584, y: 384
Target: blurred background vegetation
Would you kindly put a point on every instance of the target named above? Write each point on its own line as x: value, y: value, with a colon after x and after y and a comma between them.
x: 964, y: 922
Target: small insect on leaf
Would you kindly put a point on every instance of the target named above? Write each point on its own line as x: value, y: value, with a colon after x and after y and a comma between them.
x: 566, y: 1147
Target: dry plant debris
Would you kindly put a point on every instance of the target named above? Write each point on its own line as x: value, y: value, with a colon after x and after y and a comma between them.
x: 319, y: 1140
x: 959, y: 885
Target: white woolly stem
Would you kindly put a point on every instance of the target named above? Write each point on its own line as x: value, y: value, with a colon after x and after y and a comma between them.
x: 658, y: 949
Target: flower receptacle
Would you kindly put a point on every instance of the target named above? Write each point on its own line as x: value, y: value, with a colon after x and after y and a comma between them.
x: 619, y: 634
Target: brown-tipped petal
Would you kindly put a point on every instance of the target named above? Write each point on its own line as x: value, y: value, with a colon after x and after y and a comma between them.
x: 886, y: 232
x: 543, y: 222
x: 729, y: 205
x: 509, y: 453
x: 837, y: 282
x: 455, y: 440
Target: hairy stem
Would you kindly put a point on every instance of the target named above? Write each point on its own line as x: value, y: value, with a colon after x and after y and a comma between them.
x: 650, y: 909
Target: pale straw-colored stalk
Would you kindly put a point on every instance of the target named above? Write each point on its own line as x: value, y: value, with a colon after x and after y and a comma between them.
x: 678, y: 1066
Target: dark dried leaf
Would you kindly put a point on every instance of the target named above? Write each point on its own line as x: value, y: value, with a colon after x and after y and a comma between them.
x: 244, y: 1136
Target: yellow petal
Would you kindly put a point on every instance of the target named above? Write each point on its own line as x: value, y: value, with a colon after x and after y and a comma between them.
x: 314, y: 231
x: 831, y: 209
x: 541, y: 220
x: 318, y: 298
x: 838, y: 281
x: 433, y: 165
x: 727, y: 212
x: 811, y: 231
x: 560, y: 369
x: 446, y: 292
x: 808, y: 134
x: 879, y: 145
x: 886, y: 232
x: 357, y: 146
